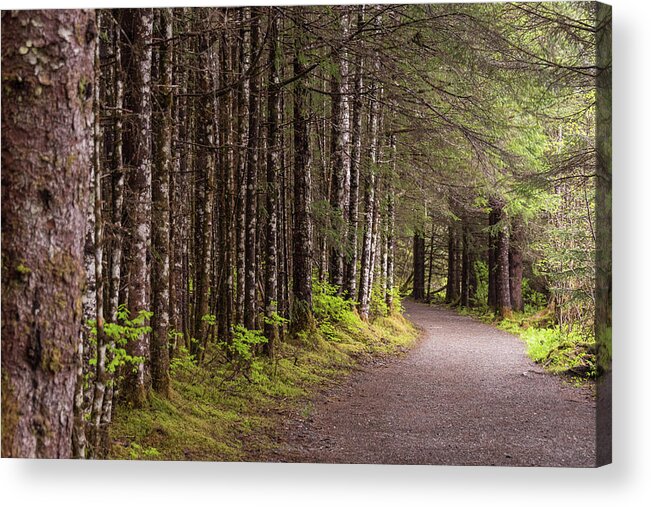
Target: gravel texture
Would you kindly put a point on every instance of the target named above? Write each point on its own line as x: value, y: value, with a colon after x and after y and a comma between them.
x: 466, y: 394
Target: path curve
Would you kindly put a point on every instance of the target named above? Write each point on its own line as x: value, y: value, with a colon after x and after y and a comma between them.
x: 466, y: 394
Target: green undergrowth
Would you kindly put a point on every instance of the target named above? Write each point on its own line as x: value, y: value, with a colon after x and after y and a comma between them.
x: 559, y: 351
x: 218, y: 412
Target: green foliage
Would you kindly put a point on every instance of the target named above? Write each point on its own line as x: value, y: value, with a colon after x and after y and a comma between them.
x: 242, y: 349
x: 533, y: 300
x: 333, y: 312
x: 182, y: 361
x: 275, y: 319
x: 214, y: 415
x: 378, y: 306
x: 119, y: 334
x: 481, y: 292
x: 136, y: 451
x: 210, y: 319
x: 561, y: 352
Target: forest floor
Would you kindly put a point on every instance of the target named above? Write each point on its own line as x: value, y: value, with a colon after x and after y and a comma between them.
x: 466, y: 394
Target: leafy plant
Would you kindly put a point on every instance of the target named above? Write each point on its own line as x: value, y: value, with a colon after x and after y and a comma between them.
x: 119, y: 334
x: 241, y: 350
x: 332, y: 310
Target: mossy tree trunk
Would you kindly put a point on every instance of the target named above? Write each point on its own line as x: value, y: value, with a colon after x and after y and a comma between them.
x: 47, y: 146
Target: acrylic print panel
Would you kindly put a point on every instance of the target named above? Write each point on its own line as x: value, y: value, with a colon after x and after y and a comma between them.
x: 339, y: 234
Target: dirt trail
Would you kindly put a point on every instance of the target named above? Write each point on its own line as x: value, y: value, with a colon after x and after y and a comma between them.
x: 466, y: 394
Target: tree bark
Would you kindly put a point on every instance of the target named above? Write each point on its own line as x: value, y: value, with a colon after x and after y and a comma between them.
x: 205, y: 170
x: 452, y: 294
x: 350, y: 263
x: 47, y: 136
x: 273, y: 170
x: 391, y: 218
x: 241, y: 182
x: 161, y: 208
x: 515, y: 265
x: 302, y: 233
x: 250, y: 292
x: 370, y: 200
x: 137, y: 27
x: 340, y: 161
x: 466, y: 266
x: 492, y: 255
x: 419, y: 266
x: 502, y: 285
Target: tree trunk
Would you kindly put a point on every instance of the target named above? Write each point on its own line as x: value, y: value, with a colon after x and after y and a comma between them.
x: 243, y: 140
x: 302, y: 233
x: 391, y: 218
x: 250, y: 293
x: 492, y: 255
x: 466, y: 266
x: 419, y: 266
x: 161, y: 208
x: 273, y: 170
x: 350, y: 263
x: 502, y: 285
x: 47, y: 141
x: 205, y: 192
x: 340, y: 162
x: 101, y: 376
x: 137, y: 27
x: 515, y: 266
x: 452, y: 295
x: 366, y: 266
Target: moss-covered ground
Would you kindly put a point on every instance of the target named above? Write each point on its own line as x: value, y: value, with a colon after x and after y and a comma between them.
x: 218, y: 412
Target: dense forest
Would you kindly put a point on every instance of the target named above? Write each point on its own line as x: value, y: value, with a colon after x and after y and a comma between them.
x: 203, y: 187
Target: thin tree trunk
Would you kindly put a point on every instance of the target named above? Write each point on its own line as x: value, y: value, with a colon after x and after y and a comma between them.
x: 452, y: 289
x: 205, y: 169
x: 241, y: 181
x: 302, y: 234
x: 492, y: 255
x: 137, y: 26
x: 101, y: 375
x: 340, y: 160
x: 391, y: 218
x: 350, y: 264
x: 502, y: 285
x: 419, y: 267
x: 366, y: 268
x: 515, y: 266
x: 603, y: 209
x: 161, y: 208
x: 250, y: 296
x: 465, y: 266
x: 273, y: 170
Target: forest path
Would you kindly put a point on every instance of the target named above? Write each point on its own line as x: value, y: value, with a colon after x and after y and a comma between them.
x: 466, y: 394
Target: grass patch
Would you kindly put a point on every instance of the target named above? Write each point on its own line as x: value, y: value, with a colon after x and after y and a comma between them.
x: 216, y: 414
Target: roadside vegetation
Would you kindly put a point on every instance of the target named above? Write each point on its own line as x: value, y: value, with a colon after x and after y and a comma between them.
x: 230, y: 410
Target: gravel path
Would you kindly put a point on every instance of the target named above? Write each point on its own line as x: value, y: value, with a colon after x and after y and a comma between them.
x: 466, y: 394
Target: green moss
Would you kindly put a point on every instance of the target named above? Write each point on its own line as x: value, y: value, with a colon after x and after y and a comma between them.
x: 23, y: 269
x: 51, y: 358
x: 215, y: 415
